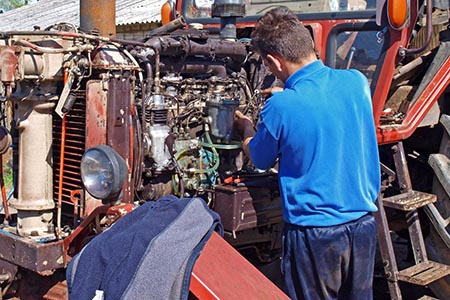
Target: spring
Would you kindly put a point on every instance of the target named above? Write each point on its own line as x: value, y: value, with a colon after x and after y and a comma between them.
x: 148, y: 116
x: 159, y: 116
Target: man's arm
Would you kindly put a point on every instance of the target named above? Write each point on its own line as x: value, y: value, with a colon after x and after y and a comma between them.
x: 245, y: 146
x: 245, y: 129
x: 264, y: 146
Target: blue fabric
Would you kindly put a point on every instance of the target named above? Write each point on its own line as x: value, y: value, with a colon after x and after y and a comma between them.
x: 112, y: 259
x: 330, y: 263
x: 321, y: 129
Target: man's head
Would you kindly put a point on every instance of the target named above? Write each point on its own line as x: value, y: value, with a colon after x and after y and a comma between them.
x: 281, y: 38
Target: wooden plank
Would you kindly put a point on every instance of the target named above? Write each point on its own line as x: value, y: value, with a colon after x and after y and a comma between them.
x: 409, y: 201
x: 424, y: 273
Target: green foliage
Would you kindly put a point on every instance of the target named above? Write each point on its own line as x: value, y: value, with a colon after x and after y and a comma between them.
x: 8, y: 177
x: 11, y: 4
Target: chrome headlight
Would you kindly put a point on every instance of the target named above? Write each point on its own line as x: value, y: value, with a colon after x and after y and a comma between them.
x: 103, y: 172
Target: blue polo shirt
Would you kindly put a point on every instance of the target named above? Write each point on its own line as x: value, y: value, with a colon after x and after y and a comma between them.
x: 321, y: 128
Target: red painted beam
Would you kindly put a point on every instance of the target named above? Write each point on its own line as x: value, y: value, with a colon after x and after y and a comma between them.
x: 221, y: 272
x: 420, y: 108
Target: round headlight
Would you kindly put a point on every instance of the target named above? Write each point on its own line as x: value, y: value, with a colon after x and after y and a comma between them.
x: 103, y: 172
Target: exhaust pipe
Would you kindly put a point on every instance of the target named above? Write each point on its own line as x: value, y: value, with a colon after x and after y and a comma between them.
x: 98, y: 17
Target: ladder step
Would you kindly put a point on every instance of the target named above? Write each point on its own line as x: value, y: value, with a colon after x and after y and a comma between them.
x: 424, y: 273
x: 409, y: 201
x: 427, y: 298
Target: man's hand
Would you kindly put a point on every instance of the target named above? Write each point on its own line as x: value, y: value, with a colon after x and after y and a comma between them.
x: 270, y: 91
x: 243, y: 126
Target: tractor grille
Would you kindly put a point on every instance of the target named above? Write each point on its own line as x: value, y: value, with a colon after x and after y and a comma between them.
x: 73, y: 151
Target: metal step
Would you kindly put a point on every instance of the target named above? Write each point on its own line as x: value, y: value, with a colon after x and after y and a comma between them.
x: 424, y: 273
x: 427, y: 298
x: 409, y: 201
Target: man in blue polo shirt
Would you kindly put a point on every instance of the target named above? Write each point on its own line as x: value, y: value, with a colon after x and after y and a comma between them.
x: 321, y: 130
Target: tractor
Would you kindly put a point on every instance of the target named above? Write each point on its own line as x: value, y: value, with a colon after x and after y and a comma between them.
x: 97, y: 126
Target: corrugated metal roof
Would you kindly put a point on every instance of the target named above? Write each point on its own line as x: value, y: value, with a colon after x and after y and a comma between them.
x: 49, y: 12
x: 138, y: 11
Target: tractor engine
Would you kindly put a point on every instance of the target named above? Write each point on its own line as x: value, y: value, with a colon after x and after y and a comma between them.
x: 188, y: 116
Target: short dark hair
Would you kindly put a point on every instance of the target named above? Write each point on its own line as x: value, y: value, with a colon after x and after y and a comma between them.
x: 281, y: 33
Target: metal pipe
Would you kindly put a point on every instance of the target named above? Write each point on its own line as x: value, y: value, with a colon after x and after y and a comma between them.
x: 61, y: 169
x: 47, y: 49
x: 168, y: 28
x: 169, y: 46
x: 66, y: 34
x: 131, y: 130
x: 429, y: 27
x: 157, y: 80
x: 228, y: 11
x: 98, y: 16
x: 148, y: 92
x: 193, y: 66
x: 408, y: 67
x: 2, y: 184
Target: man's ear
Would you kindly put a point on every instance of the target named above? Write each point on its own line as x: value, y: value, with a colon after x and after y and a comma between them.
x: 275, y: 60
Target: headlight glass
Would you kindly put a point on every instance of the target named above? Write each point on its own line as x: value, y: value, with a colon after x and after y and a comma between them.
x: 102, y: 172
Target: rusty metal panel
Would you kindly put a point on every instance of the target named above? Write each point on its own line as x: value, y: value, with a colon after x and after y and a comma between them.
x: 96, y: 124
x: 96, y: 110
x: 119, y: 125
x: 29, y: 254
x: 8, y: 63
x: 9, y: 269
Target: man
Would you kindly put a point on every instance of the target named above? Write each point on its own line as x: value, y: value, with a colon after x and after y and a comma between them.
x: 321, y: 130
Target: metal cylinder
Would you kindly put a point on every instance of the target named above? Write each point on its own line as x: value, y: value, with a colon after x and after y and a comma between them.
x: 221, y: 116
x: 34, y: 203
x: 98, y: 16
x: 228, y: 11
